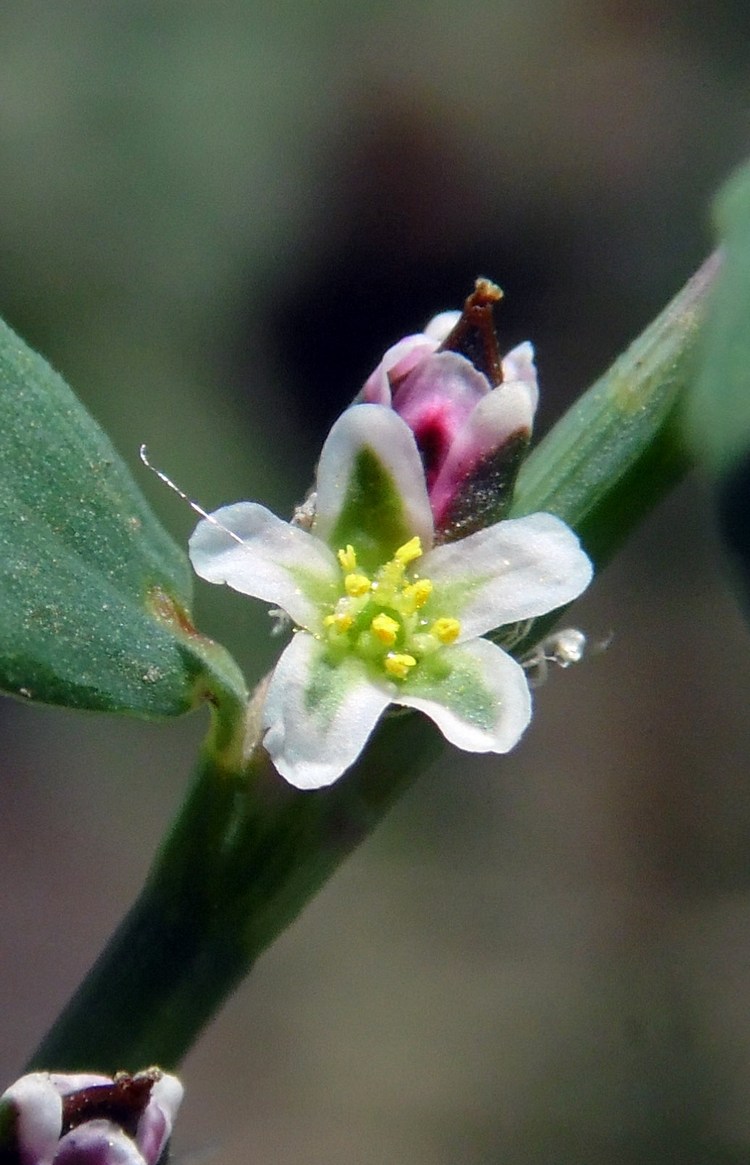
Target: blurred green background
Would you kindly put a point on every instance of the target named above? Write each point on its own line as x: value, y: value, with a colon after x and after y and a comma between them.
x: 214, y: 217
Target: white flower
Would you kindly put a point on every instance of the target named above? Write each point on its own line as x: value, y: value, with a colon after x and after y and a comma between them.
x: 383, y: 615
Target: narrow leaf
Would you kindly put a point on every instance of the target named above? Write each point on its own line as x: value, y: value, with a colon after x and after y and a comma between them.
x: 718, y: 419
x: 94, y: 595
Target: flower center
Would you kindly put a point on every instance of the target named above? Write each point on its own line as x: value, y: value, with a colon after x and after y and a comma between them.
x: 381, y: 617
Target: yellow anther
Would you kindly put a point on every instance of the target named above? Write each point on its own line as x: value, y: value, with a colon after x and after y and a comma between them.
x: 356, y: 584
x: 341, y: 620
x: 398, y: 665
x: 409, y: 551
x: 447, y: 630
x: 385, y: 629
x: 376, y: 615
x: 348, y: 559
x: 418, y: 592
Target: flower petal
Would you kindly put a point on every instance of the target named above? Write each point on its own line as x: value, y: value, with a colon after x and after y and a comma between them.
x: 519, y: 365
x: 501, y: 415
x: 97, y: 1142
x: 399, y: 359
x: 30, y: 1120
x: 436, y: 401
x: 441, y: 325
x: 371, y: 487
x: 256, y: 553
x: 156, y: 1121
x: 513, y: 570
x: 318, y: 715
x: 481, y: 703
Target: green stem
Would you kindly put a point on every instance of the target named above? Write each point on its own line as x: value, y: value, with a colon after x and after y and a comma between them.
x: 248, y: 851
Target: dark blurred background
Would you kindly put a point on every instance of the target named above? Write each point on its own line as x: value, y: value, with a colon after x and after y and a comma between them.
x: 213, y: 219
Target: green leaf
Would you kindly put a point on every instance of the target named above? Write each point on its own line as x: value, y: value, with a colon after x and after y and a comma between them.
x: 94, y: 595
x: 718, y: 418
x: 718, y: 415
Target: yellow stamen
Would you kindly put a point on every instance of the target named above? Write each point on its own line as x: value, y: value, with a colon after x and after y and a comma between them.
x: 341, y: 620
x: 357, y: 584
x: 398, y: 665
x: 348, y: 559
x: 409, y: 551
x: 380, y: 617
x: 447, y: 630
x: 417, y: 593
x: 385, y: 629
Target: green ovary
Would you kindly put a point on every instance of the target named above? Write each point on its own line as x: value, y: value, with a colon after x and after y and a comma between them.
x: 380, y: 618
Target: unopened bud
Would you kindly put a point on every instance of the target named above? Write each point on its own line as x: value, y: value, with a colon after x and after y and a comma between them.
x: 471, y: 411
x: 49, y: 1118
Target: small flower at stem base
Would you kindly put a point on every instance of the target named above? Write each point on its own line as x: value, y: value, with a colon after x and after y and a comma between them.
x: 50, y: 1118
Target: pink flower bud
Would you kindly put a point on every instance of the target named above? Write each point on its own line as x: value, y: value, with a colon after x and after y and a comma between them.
x: 470, y: 411
x: 54, y: 1119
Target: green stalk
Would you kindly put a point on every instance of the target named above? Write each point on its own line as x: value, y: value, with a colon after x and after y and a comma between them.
x: 248, y: 851
x: 245, y: 855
